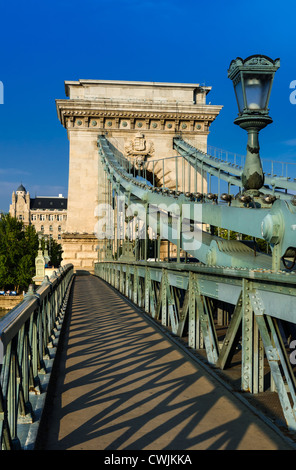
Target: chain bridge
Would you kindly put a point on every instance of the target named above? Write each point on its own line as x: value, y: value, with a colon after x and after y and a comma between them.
x: 212, y: 280
x: 191, y: 248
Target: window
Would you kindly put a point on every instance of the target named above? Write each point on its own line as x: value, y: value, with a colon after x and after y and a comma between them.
x: 59, y: 217
x: 51, y: 217
x: 42, y: 228
x: 50, y: 228
x: 34, y: 217
x: 42, y: 217
x: 59, y: 228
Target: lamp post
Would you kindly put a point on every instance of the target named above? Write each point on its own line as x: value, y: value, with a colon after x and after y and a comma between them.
x: 252, y: 80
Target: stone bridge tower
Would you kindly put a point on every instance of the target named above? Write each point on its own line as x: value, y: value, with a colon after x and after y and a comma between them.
x: 128, y: 113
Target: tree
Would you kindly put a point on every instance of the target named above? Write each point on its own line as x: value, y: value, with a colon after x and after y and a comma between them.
x: 25, y: 272
x: 55, y: 252
x: 18, y: 250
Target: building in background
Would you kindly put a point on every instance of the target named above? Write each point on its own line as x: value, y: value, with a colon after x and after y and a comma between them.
x: 140, y: 120
x: 48, y: 214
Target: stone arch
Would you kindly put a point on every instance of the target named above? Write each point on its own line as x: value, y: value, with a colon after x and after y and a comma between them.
x: 171, y: 172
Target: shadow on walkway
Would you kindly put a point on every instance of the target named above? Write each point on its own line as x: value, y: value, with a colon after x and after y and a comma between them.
x: 120, y: 385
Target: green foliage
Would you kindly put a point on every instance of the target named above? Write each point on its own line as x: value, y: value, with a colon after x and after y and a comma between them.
x: 18, y: 250
x: 55, y: 252
x: 25, y: 272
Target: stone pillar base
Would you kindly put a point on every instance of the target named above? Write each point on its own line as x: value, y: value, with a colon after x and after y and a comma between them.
x: 80, y: 250
x: 173, y: 251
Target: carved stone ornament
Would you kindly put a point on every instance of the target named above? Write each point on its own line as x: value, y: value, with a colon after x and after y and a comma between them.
x: 139, y: 149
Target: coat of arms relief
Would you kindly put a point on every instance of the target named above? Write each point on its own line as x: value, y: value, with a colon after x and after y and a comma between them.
x: 139, y: 149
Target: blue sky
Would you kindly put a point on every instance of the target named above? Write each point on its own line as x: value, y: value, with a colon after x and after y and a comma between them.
x: 190, y: 41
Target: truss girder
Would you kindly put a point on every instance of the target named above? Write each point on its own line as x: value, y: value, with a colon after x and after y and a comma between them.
x: 227, y: 171
x: 276, y: 223
x: 185, y: 302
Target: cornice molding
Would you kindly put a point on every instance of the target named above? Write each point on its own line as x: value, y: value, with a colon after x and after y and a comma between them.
x: 135, y: 115
x: 85, y: 116
x: 73, y: 109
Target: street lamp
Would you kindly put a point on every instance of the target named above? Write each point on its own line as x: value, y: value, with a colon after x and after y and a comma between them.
x: 252, y: 80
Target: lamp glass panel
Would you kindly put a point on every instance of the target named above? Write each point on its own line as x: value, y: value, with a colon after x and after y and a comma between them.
x: 257, y: 88
x: 239, y: 96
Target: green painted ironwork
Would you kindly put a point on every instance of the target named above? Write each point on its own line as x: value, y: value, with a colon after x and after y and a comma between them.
x: 28, y: 340
x: 186, y: 299
x: 252, y: 79
x: 231, y: 282
x: 274, y: 221
x: 257, y: 288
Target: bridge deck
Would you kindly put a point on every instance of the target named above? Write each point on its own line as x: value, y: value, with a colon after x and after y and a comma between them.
x: 121, y: 385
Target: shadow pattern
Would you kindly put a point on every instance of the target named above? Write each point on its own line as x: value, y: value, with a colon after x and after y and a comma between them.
x: 121, y: 385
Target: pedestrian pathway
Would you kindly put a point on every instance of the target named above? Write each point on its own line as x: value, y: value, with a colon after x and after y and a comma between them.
x: 122, y: 385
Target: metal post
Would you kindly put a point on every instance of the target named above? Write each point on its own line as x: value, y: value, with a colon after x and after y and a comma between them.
x: 164, y: 298
x: 147, y: 289
x: 176, y: 172
x: 247, y: 339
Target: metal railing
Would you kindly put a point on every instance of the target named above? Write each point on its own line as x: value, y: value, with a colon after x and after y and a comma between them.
x: 221, y: 170
x: 281, y: 169
x: 28, y: 340
x: 254, y: 292
x: 241, y: 320
x: 155, y: 171
x: 228, y: 169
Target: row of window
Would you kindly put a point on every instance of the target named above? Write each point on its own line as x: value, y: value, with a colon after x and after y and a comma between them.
x: 50, y: 235
x: 48, y: 217
x: 51, y: 228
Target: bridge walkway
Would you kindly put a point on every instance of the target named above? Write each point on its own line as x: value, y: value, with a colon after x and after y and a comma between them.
x: 121, y: 384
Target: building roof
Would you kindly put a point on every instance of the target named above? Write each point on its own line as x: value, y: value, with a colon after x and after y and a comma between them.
x: 21, y: 188
x: 51, y: 203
